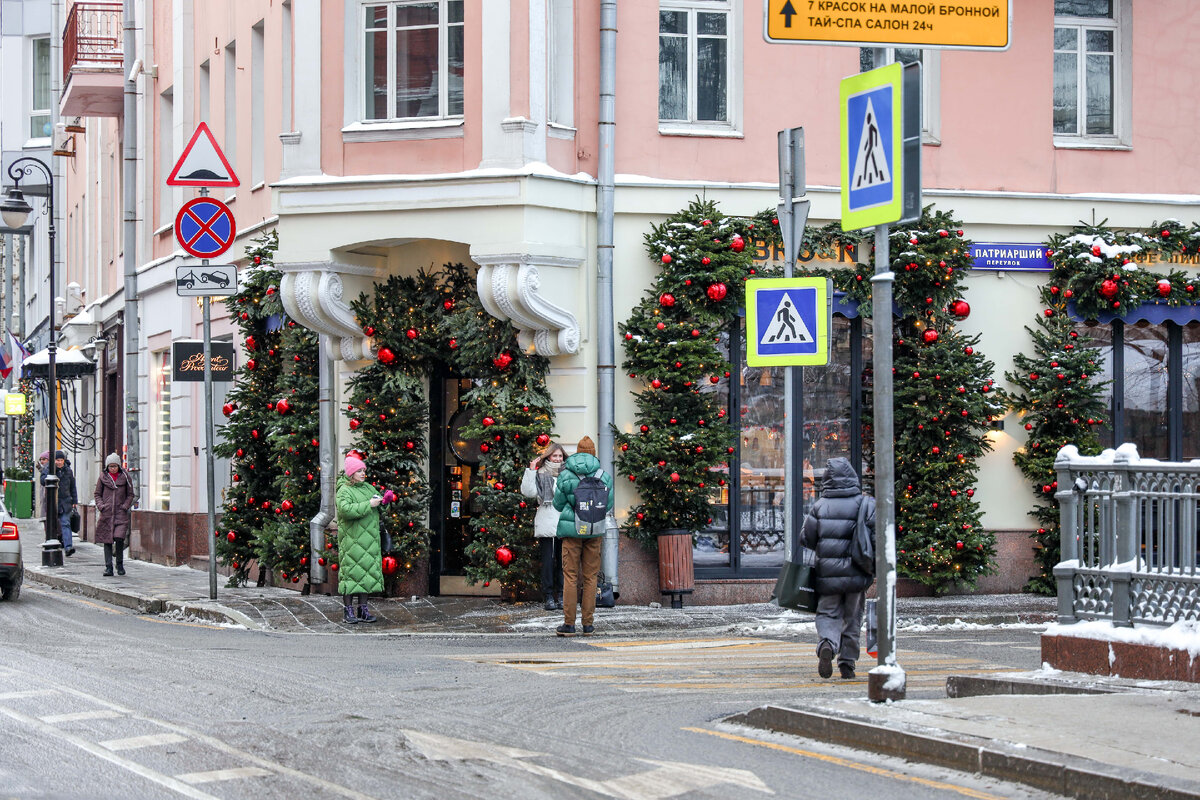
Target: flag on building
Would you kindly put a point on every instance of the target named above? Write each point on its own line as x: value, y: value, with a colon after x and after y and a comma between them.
x: 5, y: 362
x: 18, y: 346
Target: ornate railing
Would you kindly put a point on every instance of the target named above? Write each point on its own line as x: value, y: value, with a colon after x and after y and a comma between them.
x: 1129, y: 538
x: 92, y: 36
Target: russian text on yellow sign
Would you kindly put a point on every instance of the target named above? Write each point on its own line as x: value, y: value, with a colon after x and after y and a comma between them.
x: 963, y: 24
x: 14, y: 404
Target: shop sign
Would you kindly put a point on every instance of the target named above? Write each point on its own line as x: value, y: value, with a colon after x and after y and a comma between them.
x: 14, y: 404
x: 187, y: 360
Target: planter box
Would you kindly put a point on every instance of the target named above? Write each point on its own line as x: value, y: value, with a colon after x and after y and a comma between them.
x: 18, y: 498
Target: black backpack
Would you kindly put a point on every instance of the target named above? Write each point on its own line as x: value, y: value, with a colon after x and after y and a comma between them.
x: 862, y: 544
x: 591, y: 502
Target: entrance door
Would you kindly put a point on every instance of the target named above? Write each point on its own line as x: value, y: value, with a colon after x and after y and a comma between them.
x: 453, y: 471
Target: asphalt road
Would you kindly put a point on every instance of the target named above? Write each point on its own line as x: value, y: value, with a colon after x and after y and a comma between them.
x: 99, y: 702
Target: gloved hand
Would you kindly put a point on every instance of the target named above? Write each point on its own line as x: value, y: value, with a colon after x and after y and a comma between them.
x: 388, y: 496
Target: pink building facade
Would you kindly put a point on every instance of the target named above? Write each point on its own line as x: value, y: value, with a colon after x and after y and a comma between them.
x: 383, y: 137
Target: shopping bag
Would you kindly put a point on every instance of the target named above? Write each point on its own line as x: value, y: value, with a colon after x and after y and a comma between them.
x: 872, y: 629
x: 796, y: 587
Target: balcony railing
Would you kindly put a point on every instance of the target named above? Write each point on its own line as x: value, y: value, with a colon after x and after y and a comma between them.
x: 92, y: 37
x: 1129, y: 538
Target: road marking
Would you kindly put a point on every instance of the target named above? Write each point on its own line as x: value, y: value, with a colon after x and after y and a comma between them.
x: 844, y: 762
x: 223, y: 775
x: 149, y: 740
x: 27, y: 693
x: 668, y: 779
x: 54, y: 719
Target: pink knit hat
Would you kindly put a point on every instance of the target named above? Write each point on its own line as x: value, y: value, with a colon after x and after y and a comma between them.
x: 353, y: 464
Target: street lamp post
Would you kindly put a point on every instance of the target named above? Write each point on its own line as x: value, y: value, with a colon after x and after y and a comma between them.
x: 16, y: 210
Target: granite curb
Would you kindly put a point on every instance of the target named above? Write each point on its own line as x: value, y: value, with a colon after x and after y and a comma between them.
x: 1060, y: 773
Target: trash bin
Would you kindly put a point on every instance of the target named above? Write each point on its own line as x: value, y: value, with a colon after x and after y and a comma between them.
x: 18, y: 498
x: 676, y: 576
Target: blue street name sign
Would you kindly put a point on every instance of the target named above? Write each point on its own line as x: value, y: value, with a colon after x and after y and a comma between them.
x: 788, y: 322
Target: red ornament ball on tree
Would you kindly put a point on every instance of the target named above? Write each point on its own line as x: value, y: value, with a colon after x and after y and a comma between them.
x: 1164, y: 287
x: 666, y: 258
x: 543, y: 439
x: 504, y: 556
x: 737, y: 244
x: 674, y: 477
x: 930, y: 336
x: 390, y: 565
x: 960, y: 309
x: 488, y: 422
x: 385, y: 355
x: 666, y: 299
x: 1108, y: 288
x: 717, y: 291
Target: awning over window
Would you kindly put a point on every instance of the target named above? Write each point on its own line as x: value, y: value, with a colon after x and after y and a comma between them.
x: 1154, y: 313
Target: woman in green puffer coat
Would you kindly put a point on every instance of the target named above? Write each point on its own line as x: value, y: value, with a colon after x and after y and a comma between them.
x: 360, y: 560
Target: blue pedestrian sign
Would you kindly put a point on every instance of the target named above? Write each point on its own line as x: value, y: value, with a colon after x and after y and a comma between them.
x: 871, y: 147
x: 788, y: 322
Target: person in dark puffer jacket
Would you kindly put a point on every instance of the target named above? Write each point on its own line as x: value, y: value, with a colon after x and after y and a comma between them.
x: 841, y: 586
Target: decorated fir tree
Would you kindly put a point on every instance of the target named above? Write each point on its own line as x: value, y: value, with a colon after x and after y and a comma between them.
x: 671, y: 339
x: 245, y: 438
x: 283, y: 543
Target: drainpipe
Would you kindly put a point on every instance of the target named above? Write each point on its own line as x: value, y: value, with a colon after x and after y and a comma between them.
x: 326, y: 411
x: 605, y: 329
x: 133, y: 428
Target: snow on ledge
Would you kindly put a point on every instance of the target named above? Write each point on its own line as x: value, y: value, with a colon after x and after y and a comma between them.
x: 1183, y: 635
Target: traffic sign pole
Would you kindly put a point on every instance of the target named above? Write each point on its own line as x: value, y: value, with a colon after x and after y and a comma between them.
x: 792, y: 182
x: 208, y: 440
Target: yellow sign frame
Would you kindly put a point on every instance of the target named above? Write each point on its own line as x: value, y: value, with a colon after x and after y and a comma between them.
x: 821, y: 292
x: 957, y: 25
x: 14, y: 404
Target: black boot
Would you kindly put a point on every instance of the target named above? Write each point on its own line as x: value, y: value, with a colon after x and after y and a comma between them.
x: 119, y: 551
x: 365, y: 614
x: 550, y: 606
x: 108, y: 560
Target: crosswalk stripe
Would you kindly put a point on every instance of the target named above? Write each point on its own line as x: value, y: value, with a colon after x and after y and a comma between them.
x: 27, y: 693
x: 212, y: 776
x: 77, y: 716
x: 149, y: 740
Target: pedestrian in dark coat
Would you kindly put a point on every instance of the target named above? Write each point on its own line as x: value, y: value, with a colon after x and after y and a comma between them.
x: 841, y: 586
x: 114, y: 498
x: 580, y: 548
x: 68, y: 496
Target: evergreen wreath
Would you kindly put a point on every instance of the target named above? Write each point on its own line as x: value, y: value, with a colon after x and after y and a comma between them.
x: 417, y: 324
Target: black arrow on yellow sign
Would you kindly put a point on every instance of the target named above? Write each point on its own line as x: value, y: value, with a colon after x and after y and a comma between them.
x: 788, y: 11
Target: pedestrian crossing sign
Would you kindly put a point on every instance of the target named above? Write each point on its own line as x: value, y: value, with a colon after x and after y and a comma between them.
x: 788, y: 322
x: 872, y: 147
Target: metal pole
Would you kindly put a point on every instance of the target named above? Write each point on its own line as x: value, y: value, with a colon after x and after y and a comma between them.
x: 208, y: 439
x: 787, y: 191
x: 6, y: 325
x: 129, y: 125
x: 605, y: 211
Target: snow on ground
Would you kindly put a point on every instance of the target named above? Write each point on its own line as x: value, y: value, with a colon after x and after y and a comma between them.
x: 1184, y: 635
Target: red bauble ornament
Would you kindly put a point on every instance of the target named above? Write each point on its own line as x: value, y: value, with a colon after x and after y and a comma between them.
x: 411, y: 333
x: 354, y: 423
x: 334, y: 566
x: 283, y: 406
x: 1164, y: 287
x: 254, y: 433
x: 935, y: 450
x: 717, y: 291
x: 488, y: 422
x: 930, y: 336
x: 666, y: 299
x: 960, y: 309
x: 1108, y: 288
x: 503, y: 360
x: 315, y: 442
x: 666, y: 258
x: 251, y: 342
x: 390, y: 565
x: 706, y: 261
x: 737, y: 244
x: 958, y: 545
x: 483, y: 448
x: 1028, y: 426
x: 385, y: 355
x: 286, y: 505
x: 448, y: 305
x: 228, y: 409
x: 245, y: 316
x: 1049, y: 312
x: 1096, y: 250
x: 231, y: 536
x: 969, y: 350
x: 504, y: 556
x: 251, y: 364
x: 674, y: 477
x: 454, y: 344
x: 645, y: 429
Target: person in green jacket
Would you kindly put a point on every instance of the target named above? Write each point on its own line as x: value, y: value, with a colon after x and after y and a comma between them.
x: 580, y: 547
x: 359, y: 550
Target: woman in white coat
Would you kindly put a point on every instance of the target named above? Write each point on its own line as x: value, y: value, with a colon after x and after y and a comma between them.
x: 538, y: 483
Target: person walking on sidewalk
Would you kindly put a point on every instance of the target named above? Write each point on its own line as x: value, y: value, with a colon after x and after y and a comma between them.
x: 841, y: 586
x: 42, y: 465
x: 68, y: 496
x: 581, y: 542
x: 359, y: 549
x: 538, y: 483
x: 114, y: 498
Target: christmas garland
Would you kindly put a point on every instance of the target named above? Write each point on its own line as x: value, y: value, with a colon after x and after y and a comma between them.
x: 417, y: 324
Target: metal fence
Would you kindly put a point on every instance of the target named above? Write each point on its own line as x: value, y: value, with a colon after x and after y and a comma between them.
x: 1129, y: 538
x: 92, y: 37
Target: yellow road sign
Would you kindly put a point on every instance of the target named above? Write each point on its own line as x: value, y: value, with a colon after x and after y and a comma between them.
x: 14, y: 404
x: 950, y: 24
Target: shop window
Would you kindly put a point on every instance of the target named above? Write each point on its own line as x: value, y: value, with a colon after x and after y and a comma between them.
x: 160, y: 431
x: 1092, y: 84
x: 39, y: 107
x: 699, y: 66
x: 746, y: 537
x: 931, y: 83
x: 412, y: 60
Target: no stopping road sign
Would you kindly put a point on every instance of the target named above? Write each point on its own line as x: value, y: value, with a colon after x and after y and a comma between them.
x: 205, y: 227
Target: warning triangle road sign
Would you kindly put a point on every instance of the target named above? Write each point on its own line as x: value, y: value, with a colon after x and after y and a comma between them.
x: 870, y: 160
x: 786, y: 326
x: 202, y: 163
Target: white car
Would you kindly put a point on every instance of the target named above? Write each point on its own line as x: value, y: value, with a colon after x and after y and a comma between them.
x: 12, y: 570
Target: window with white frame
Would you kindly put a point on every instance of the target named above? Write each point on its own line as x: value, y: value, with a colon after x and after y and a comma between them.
x: 698, y: 64
x: 931, y: 62
x: 1090, y: 71
x: 39, y: 106
x: 560, y: 27
x: 412, y: 60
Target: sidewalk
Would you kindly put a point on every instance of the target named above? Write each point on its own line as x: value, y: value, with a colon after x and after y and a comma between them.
x: 184, y: 592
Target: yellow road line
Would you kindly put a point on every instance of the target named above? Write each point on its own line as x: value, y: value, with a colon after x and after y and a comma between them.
x: 843, y: 762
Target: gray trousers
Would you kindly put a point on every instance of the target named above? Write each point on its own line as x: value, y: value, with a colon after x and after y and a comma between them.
x: 839, y: 622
